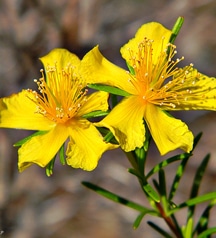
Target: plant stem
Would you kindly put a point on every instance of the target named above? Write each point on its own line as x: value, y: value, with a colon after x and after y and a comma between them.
x: 168, y: 221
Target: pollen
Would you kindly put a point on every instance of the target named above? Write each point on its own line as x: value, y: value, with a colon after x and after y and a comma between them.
x: 60, y: 96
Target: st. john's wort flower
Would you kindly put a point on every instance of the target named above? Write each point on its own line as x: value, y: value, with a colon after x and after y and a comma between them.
x: 155, y: 85
x: 57, y: 110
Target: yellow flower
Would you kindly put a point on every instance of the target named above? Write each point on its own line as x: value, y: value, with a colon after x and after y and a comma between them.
x: 155, y: 85
x: 58, y: 110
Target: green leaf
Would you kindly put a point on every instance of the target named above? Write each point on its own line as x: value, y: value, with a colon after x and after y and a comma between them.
x: 119, y: 199
x: 140, y: 155
x: 62, y: 155
x: 194, y: 201
x: 138, y: 220
x: 181, y: 168
x: 202, y: 223
x: 135, y: 172
x: 207, y: 233
x: 196, y: 140
x: 96, y: 114
x: 166, y: 162
x: 162, y: 183
x: 187, y: 231
x: 131, y: 69
x: 114, y: 100
x: 178, y: 176
x: 50, y: 167
x: 162, y: 189
x: 196, y: 183
x: 156, y: 184
x: 151, y: 192
x: 178, y: 228
x: 109, y: 136
x: 176, y: 29
x: 21, y: 142
x: 160, y: 230
x: 109, y: 89
x: 132, y: 159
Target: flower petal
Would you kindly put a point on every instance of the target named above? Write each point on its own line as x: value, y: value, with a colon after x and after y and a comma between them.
x: 60, y: 59
x: 125, y: 121
x: 86, y: 146
x: 19, y: 111
x: 97, y: 69
x: 152, y: 31
x: 168, y: 133
x: 195, y: 91
x: 95, y: 101
x: 42, y: 149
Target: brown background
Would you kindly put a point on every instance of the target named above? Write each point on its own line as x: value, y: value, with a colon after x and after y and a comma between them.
x: 33, y: 205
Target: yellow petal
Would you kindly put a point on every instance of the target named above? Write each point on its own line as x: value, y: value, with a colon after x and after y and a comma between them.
x: 60, y: 59
x: 195, y: 91
x: 95, y: 101
x: 97, y: 69
x: 19, y: 111
x: 86, y: 146
x: 152, y: 31
x: 168, y: 133
x: 125, y: 121
x: 41, y: 149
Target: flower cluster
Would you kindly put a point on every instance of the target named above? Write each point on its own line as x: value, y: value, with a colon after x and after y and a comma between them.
x: 153, y: 86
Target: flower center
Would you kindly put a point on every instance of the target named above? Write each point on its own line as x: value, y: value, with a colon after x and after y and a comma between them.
x: 61, y: 94
x: 156, y: 78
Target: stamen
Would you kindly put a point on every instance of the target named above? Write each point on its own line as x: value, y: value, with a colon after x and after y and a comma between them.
x: 151, y: 74
x: 61, y: 96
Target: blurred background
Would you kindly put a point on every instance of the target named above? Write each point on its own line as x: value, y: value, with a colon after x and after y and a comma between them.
x: 33, y: 205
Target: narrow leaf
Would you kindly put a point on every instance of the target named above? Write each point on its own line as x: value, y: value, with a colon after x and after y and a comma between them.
x: 196, y: 183
x: 162, y: 188
x: 21, y: 142
x: 138, y: 220
x: 109, y: 89
x: 156, y: 184
x: 178, y: 176
x: 95, y: 114
x: 151, y: 192
x: 188, y: 229
x: 141, y: 154
x: 166, y: 162
x: 199, y: 175
x: 207, y: 233
x: 178, y: 228
x: 114, y: 100
x: 194, y: 201
x: 196, y: 140
x: 118, y: 199
x: 109, y: 137
x: 202, y: 224
x: 131, y: 69
x: 132, y: 159
x: 176, y: 29
x: 162, y: 183
x: 135, y: 172
x: 160, y: 230
x: 62, y: 155
x: 50, y: 167
x: 181, y: 168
